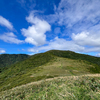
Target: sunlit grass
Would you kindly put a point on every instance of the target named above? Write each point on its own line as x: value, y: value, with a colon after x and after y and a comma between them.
x: 69, y: 88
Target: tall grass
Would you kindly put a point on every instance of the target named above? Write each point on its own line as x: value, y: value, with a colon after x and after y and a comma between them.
x: 70, y: 88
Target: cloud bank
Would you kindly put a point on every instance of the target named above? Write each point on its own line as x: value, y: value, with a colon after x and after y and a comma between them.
x: 58, y: 44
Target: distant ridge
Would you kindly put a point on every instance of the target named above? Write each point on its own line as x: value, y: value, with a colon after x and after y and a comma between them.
x: 9, y: 59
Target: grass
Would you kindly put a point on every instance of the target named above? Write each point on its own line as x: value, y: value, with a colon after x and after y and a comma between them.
x: 47, y: 65
x: 77, y: 56
x: 68, y: 88
x: 20, y: 73
x: 62, y: 67
x: 54, y: 68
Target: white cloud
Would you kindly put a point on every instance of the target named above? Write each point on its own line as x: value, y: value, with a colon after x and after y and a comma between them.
x: 95, y: 28
x: 6, y: 23
x: 86, y: 38
x: 58, y: 44
x: 70, y: 12
x: 10, y: 38
x: 92, y: 49
x: 78, y: 15
x: 62, y: 44
x: 82, y: 17
x: 2, y: 51
x: 98, y: 55
x: 35, y: 34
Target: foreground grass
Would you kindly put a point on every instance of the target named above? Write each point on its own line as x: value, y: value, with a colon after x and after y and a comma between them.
x: 61, y: 88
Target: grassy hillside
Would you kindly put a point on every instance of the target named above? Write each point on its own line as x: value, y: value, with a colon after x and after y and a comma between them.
x: 77, y: 56
x: 73, y: 55
x: 47, y: 65
x: 61, y: 88
x: 20, y: 72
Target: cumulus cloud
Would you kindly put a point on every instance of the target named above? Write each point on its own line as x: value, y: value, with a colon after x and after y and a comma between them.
x: 79, y: 43
x: 10, y: 38
x: 2, y: 51
x: 35, y: 34
x: 58, y: 44
x: 87, y: 38
x: 6, y: 23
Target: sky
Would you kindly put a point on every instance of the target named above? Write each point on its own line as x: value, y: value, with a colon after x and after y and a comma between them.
x: 35, y: 26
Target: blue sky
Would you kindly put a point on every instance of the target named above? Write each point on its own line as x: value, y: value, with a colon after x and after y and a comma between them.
x: 34, y: 26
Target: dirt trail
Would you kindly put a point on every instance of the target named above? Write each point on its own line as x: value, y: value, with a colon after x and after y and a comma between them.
x: 92, y: 75
x: 50, y: 79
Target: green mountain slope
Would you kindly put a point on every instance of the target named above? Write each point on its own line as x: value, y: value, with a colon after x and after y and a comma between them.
x: 48, y: 65
x: 77, y: 56
x: 73, y: 55
x: 9, y: 59
x: 6, y: 60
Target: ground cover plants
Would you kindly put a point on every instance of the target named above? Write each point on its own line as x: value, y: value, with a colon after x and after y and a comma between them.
x: 53, y: 75
x: 66, y: 88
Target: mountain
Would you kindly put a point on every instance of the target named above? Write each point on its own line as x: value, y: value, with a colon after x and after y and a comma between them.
x: 7, y: 60
x: 77, y: 56
x: 53, y: 63
x: 55, y: 74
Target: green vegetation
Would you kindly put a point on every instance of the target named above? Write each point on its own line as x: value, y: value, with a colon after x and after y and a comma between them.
x: 66, y: 88
x: 50, y: 64
x: 20, y: 72
x: 77, y: 56
x: 42, y: 66
x: 7, y: 60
